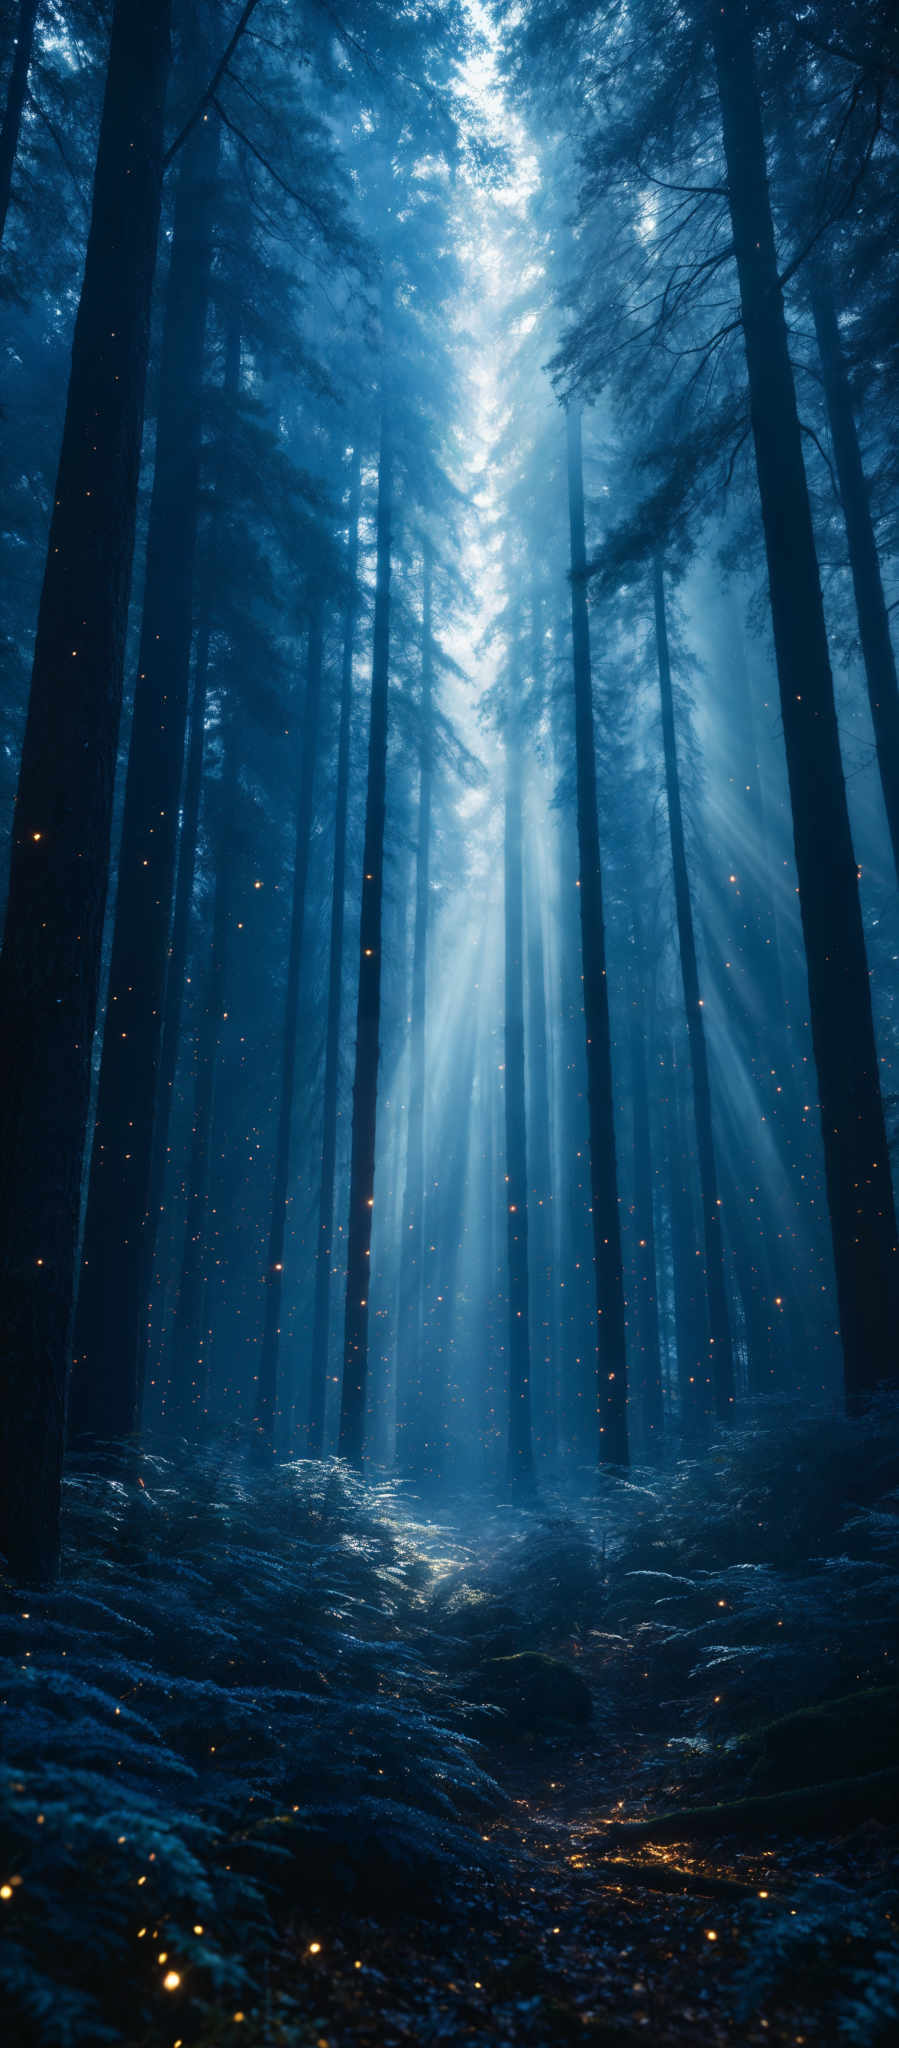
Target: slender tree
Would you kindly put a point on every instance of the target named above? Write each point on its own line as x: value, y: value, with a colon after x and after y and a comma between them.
x: 187, y: 1389
x: 540, y: 1221
x: 188, y: 836
x: 50, y: 964
x: 690, y: 1305
x: 520, y: 1457
x: 16, y: 92
x: 611, y: 1342
x: 368, y: 1012
x: 412, y: 1394
x: 650, y: 1383
x: 857, y: 1165
x: 110, y: 1319
x: 864, y: 561
x: 721, y: 1363
x: 318, y: 1373
x: 267, y: 1390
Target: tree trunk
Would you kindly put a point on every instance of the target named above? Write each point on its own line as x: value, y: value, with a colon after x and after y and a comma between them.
x: 321, y: 1307
x: 857, y: 1165
x: 611, y: 1345
x: 413, y: 1402
x: 50, y: 964
x: 690, y: 1307
x: 186, y: 1397
x: 542, y: 1267
x: 446, y: 1229
x: 368, y: 1012
x: 267, y: 1390
x: 647, y: 1304
x: 16, y: 93
x: 870, y: 602
x: 721, y: 1362
x: 573, y: 1246
x: 187, y: 847
x: 539, y: 1112
x: 110, y: 1319
x: 520, y: 1455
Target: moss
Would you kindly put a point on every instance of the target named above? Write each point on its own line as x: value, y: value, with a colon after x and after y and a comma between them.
x: 812, y: 1810
x: 839, y: 1738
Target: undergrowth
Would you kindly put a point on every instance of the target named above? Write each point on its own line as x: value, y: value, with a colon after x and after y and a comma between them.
x: 228, y: 1704
x: 263, y: 1693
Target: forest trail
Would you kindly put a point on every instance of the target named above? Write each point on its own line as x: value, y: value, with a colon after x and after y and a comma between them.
x: 573, y: 1932
x: 572, y: 1938
x: 293, y: 1767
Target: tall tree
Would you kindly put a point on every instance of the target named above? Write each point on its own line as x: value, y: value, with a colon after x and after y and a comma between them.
x: 50, y: 964
x: 721, y: 1362
x: 412, y: 1394
x: 190, y: 822
x: 187, y: 1389
x: 870, y: 601
x: 857, y: 1165
x: 16, y: 92
x: 307, y: 752
x: 650, y: 1383
x: 611, y: 1341
x: 520, y: 1456
x: 368, y: 1011
x: 110, y: 1318
x: 318, y: 1370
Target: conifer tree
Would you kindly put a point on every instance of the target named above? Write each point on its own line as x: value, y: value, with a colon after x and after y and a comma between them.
x: 50, y: 964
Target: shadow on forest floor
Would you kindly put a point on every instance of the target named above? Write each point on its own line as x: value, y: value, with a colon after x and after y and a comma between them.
x: 289, y: 1760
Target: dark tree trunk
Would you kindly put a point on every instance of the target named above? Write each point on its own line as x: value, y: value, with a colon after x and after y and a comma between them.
x: 50, y: 963
x: 445, y: 1231
x: 110, y: 1319
x: 540, y: 1170
x: 487, y: 1093
x: 721, y: 1362
x: 647, y: 1304
x: 857, y: 1165
x: 322, y: 1301
x: 573, y: 1252
x: 762, y: 1306
x: 611, y: 1342
x: 16, y: 93
x: 541, y: 1220
x: 267, y: 1390
x: 690, y: 1308
x: 186, y: 1397
x: 870, y: 602
x: 187, y: 847
x: 412, y: 1430
x: 368, y: 1012
x: 520, y: 1456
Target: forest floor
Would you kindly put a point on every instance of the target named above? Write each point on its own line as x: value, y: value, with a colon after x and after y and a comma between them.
x: 296, y: 1762
x: 559, y: 1952
x: 573, y: 1934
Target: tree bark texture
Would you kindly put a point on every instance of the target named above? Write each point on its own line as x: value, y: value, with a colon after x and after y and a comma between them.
x: 322, y: 1297
x: 412, y: 1431
x: 267, y: 1390
x: 857, y: 1166
x: 50, y: 965
x: 720, y: 1382
x: 107, y: 1380
x: 611, y: 1340
x: 520, y: 1456
x: 16, y: 94
x: 368, y: 1010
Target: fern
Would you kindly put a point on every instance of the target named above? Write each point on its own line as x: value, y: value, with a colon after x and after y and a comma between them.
x: 189, y: 1717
